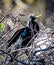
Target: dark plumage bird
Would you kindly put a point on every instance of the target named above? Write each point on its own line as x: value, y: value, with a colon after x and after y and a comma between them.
x: 24, y: 35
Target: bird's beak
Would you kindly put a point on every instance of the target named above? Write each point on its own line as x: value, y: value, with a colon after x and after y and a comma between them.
x: 38, y: 16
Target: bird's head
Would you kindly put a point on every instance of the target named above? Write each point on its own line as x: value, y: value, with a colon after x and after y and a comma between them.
x: 32, y: 17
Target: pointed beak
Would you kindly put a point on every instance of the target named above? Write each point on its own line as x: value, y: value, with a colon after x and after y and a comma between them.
x: 38, y: 16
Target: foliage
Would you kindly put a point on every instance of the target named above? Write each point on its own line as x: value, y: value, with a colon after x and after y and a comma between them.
x: 1, y: 26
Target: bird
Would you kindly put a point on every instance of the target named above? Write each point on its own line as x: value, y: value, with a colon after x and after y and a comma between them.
x: 23, y: 36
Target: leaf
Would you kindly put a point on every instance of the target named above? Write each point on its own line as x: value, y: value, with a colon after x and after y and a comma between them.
x: 1, y: 26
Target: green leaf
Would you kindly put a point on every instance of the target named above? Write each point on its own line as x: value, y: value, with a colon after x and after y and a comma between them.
x: 1, y: 26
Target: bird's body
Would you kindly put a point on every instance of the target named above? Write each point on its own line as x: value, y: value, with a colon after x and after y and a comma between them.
x: 21, y: 37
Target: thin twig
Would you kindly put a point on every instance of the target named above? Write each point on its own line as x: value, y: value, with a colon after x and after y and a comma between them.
x: 15, y: 58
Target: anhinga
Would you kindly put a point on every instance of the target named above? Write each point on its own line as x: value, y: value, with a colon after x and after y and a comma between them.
x: 24, y: 35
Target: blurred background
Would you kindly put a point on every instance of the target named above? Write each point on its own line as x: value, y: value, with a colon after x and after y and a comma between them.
x: 37, y: 7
